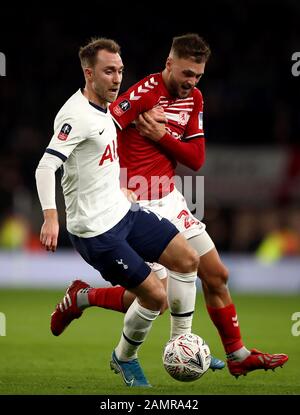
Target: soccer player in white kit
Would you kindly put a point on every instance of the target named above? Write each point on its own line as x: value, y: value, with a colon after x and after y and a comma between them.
x: 111, y: 234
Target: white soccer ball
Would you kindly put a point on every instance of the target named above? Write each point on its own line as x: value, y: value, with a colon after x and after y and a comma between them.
x: 187, y: 357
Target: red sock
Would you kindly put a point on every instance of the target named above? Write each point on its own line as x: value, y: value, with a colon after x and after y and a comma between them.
x: 111, y: 298
x: 225, y: 319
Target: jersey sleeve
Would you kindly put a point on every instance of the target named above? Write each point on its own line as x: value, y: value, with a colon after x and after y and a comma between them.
x: 190, y: 153
x: 139, y: 98
x: 45, y: 180
x: 69, y: 131
x: 195, y: 124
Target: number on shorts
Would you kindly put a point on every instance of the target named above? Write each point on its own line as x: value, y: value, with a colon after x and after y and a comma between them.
x: 188, y: 220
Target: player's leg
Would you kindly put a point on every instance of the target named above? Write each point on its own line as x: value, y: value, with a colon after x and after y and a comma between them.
x: 214, y: 277
x: 150, y: 297
x: 121, y: 264
x: 124, y: 298
x: 174, y: 208
x: 176, y: 255
x: 114, y: 298
x: 156, y: 240
x: 80, y: 295
x: 182, y: 263
x: 162, y: 274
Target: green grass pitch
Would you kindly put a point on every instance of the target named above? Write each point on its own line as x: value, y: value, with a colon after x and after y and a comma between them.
x: 34, y: 362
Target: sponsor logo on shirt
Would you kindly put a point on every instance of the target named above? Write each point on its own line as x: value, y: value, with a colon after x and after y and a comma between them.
x: 64, y: 132
x: 122, y: 107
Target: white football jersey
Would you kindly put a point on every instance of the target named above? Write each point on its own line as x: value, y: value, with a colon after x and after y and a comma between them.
x: 85, y: 139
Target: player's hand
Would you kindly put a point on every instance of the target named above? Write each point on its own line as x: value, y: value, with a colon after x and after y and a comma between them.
x: 158, y: 114
x: 131, y: 196
x: 148, y: 127
x: 50, y: 230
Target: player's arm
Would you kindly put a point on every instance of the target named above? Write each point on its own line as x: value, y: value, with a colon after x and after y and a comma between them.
x: 45, y: 182
x: 69, y: 132
x: 190, y: 153
x: 136, y: 100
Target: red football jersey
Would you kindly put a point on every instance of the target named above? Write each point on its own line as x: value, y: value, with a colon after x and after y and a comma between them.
x: 150, y: 166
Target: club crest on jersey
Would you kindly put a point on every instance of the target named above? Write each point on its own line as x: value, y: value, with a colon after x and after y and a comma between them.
x: 122, y: 107
x: 183, y: 118
x: 64, y: 132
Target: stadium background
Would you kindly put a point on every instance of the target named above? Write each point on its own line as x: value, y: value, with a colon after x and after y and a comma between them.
x: 251, y: 120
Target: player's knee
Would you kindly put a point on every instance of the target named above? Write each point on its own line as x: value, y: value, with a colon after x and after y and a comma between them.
x: 158, y: 299
x: 223, y: 275
x: 188, y: 262
x: 217, y: 281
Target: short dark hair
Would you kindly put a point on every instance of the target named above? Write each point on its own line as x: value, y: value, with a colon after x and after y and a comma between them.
x: 88, y: 53
x: 191, y: 45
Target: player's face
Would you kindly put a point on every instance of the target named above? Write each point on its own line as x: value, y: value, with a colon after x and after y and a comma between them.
x: 107, y: 76
x: 184, y: 74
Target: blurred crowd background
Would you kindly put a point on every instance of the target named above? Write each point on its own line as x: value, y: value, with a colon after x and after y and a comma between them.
x: 251, y: 113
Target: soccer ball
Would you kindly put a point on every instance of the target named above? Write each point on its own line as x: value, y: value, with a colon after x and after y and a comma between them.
x: 186, y: 357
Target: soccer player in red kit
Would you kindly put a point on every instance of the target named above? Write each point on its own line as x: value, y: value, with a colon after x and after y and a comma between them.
x: 150, y: 150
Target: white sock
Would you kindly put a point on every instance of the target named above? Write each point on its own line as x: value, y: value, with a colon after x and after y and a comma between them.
x: 239, y: 355
x: 181, y: 298
x: 137, y: 323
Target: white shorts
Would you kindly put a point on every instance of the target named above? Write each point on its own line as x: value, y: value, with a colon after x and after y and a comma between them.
x: 174, y: 207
